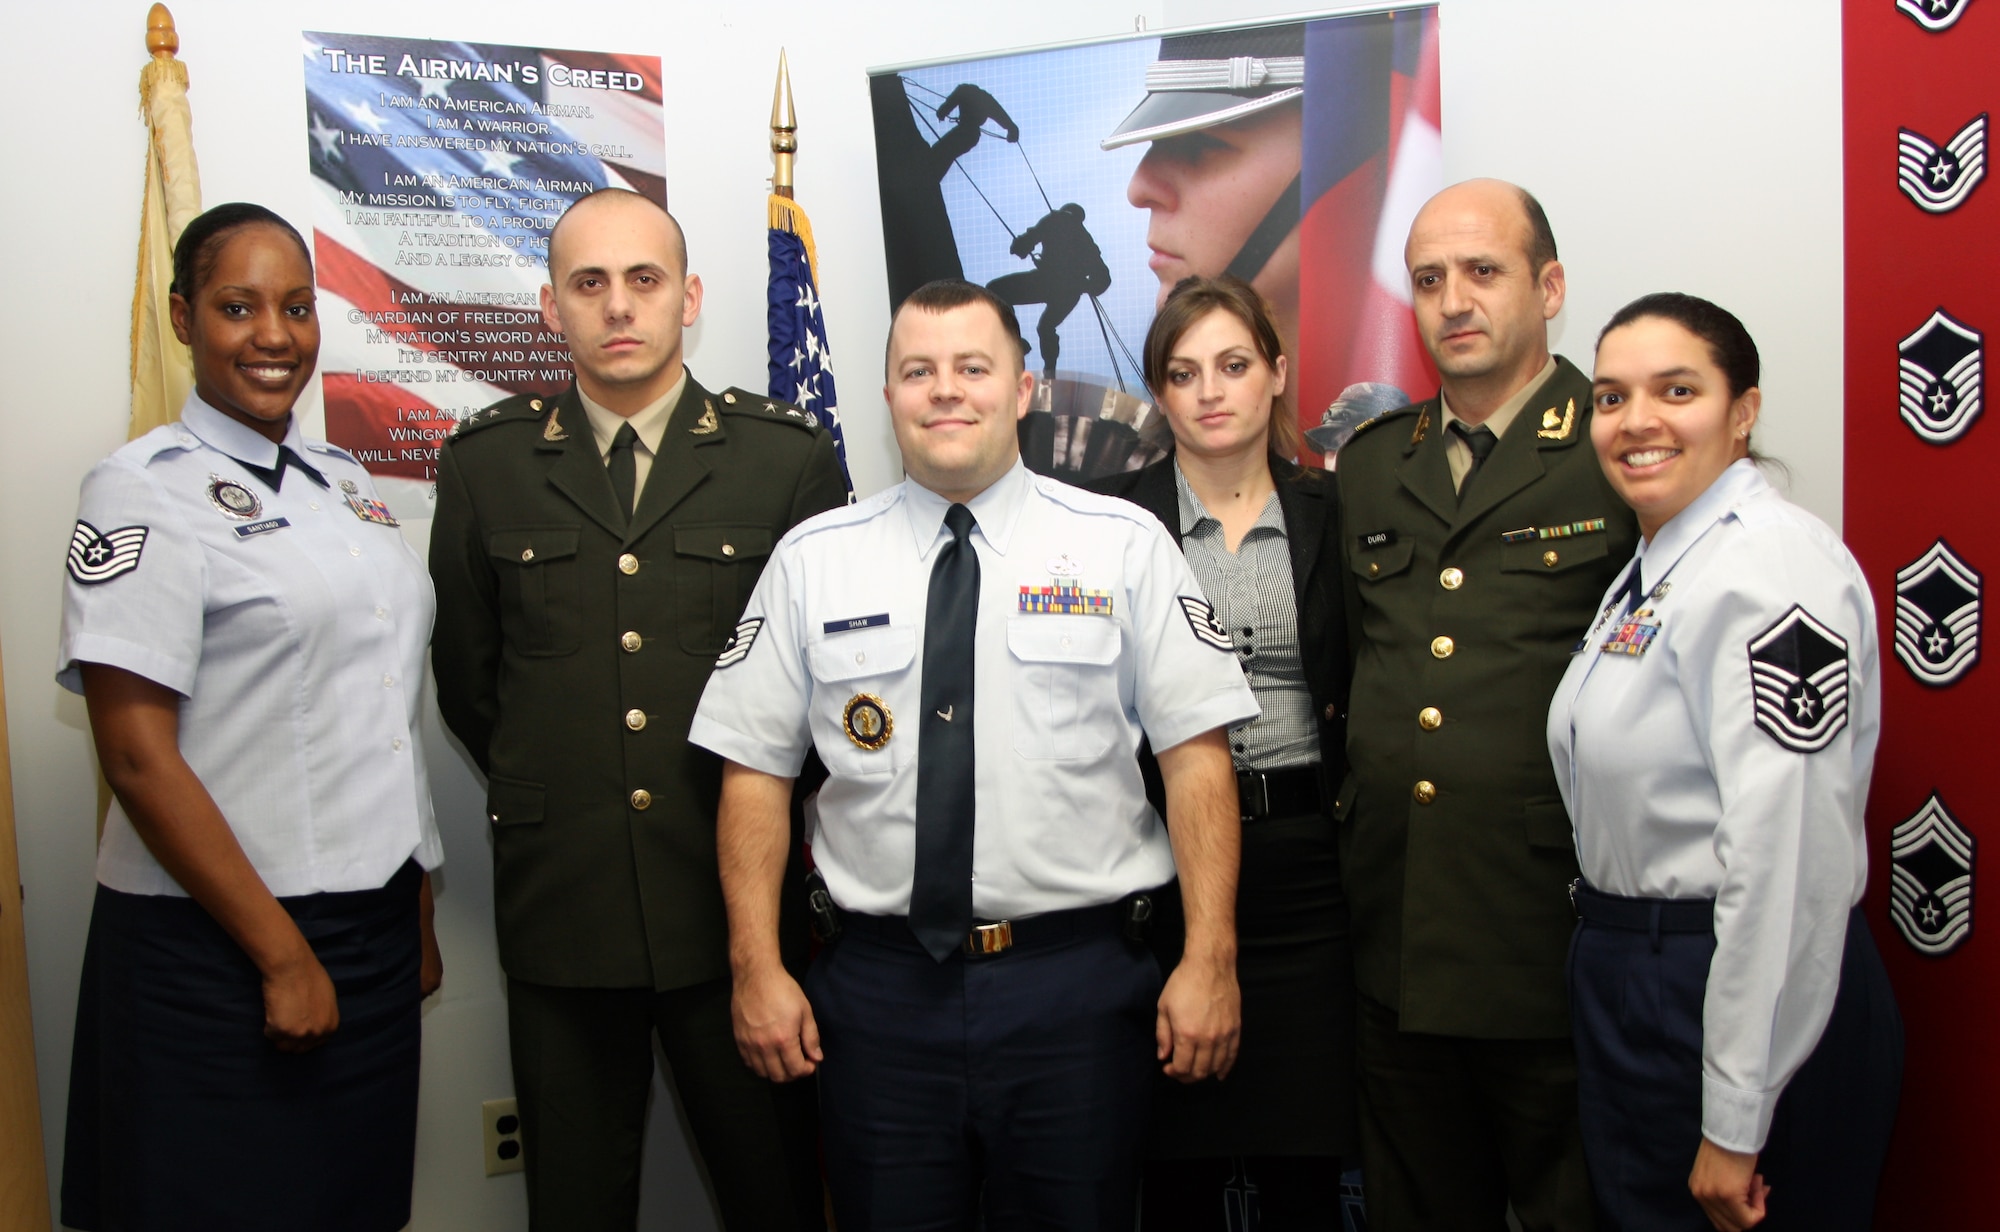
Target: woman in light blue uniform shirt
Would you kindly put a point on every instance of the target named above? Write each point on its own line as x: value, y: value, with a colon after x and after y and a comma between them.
x: 248, y: 629
x: 1738, y: 1047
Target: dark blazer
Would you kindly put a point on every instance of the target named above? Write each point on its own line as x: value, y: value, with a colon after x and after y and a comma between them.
x: 1311, y: 505
x: 1460, y: 901
x: 571, y: 649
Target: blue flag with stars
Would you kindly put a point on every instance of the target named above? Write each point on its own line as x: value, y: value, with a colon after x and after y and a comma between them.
x: 801, y: 366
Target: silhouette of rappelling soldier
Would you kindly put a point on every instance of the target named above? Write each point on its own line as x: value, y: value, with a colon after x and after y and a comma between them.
x: 974, y: 107
x: 1069, y: 267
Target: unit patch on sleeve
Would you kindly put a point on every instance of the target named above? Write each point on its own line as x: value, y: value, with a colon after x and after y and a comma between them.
x: 1939, y: 178
x: 1798, y: 682
x: 1930, y: 880
x: 1937, y: 616
x: 97, y: 556
x: 1207, y: 629
x: 737, y: 648
x: 1942, y: 382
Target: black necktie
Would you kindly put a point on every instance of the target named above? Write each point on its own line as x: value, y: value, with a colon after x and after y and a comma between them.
x: 1480, y: 441
x: 941, y: 893
x: 1633, y: 594
x: 274, y: 475
x: 624, y: 467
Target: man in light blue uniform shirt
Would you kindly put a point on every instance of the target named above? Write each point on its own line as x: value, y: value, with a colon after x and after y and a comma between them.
x: 976, y: 655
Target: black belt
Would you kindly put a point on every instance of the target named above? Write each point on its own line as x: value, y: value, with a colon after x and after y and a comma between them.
x: 996, y: 936
x: 1278, y: 793
x: 1642, y: 915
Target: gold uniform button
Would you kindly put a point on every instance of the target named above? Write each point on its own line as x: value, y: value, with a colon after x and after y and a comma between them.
x: 1441, y: 647
x: 642, y: 799
x: 527, y: 554
x: 1430, y: 718
x: 1452, y: 578
x: 729, y: 549
x: 628, y: 564
x: 730, y: 399
x: 1550, y: 558
x: 635, y: 719
x: 534, y: 404
x: 1425, y: 791
x: 1374, y: 568
x: 631, y: 642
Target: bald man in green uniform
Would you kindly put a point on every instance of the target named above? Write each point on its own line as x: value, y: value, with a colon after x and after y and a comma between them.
x: 1480, y: 535
x: 592, y: 553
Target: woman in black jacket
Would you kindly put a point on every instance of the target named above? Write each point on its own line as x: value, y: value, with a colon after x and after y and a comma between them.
x: 1262, y: 535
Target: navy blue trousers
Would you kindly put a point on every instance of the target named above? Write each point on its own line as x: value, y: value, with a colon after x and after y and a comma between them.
x: 1012, y: 1087
x: 1636, y: 1009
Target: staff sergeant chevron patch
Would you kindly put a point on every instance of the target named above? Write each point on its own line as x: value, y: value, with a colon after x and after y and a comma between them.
x: 1942, y: 384
x: 1930, y: 880
x: 1937, y: 616
x: 1798, y: 682
x: 1940, y: 179
x: 1933, y: 15
x: 97, y: 556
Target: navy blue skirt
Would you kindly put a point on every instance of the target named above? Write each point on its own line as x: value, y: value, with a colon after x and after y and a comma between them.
x: 183, y: 1116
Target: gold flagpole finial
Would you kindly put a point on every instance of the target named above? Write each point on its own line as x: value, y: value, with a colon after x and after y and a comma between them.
x: 161, y: 38
x: 784, y: 131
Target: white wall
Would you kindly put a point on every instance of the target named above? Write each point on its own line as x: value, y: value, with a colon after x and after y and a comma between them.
x: 1694, y: 146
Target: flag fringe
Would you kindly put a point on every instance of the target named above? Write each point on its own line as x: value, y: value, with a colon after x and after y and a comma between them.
x: 788, y: 215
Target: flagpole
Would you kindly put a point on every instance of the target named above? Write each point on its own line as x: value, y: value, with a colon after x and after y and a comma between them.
x: 784, y: 131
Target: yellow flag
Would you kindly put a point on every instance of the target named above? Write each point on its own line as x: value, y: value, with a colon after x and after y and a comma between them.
x: 161, y: 372
x: 24, y: 1195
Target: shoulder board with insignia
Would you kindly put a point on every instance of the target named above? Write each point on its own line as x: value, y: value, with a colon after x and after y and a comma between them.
x: 1366, y: 424
x: 739, y: 401
x: 515, y: 409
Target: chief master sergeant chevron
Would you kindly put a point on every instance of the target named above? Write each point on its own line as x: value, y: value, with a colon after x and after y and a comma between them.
x: 976, y: 654
x: 1480, y: 533
x: 591, y: 554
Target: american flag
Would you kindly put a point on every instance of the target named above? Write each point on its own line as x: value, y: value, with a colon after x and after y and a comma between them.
x: 439, y: 169
x: 801, y: 367
x: 1374, y: 153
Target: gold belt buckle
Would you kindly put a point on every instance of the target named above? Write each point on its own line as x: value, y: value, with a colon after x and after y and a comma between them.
x: 990, y: 938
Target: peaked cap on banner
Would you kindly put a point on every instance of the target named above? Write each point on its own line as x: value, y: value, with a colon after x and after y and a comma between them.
x: 1201, y: 80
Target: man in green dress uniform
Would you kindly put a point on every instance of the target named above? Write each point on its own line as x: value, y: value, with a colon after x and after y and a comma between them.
x: 1479, y: 536
x: 592, y: 554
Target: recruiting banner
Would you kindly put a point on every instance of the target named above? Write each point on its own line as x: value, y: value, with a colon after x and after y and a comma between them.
x: 1080, y: 183
x: 1923, y: 240
x: 438, y: 170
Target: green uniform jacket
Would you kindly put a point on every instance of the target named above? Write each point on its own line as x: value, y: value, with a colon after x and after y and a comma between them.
x: 1455, y: 846
x: 570, y: 651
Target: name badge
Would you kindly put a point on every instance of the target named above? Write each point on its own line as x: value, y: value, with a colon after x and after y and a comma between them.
x: 855, y: 622
x: 264, y: 527
x: 1378, y: 539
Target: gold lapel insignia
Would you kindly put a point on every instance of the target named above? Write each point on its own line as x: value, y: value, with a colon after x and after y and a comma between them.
x: 707, y: 423
x: 1423, y: 426
x: 553, y: 429
x: 1558, y: 427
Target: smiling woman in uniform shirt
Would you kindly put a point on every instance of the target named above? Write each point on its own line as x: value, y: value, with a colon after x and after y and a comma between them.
x: 247, y: 627
x: 1739, y: 1050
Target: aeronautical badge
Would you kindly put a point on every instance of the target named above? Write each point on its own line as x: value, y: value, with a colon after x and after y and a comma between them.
x: 867, y: 721
x: 737, y: 648
x: 233, y: 499
x: 1207, y: 629
x: 1798, y: 679
x: 97, y: 556
x: 1939, y: 179
x: 1933, y: 15
x: 1942, y: 383
x: 1930, y: 880
x: 370, y: 510
x: 349, y: 486
x: 1937, y: 616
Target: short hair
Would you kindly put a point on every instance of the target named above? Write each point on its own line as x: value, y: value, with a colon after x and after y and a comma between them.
x: 1541, y: 237
x: 1729, y: 343
x: 1194, y: 298
x: 680, y: 235
x: 945, y: 294
x: 200, y: 245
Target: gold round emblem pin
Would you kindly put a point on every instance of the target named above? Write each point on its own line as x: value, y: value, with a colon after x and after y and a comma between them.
x: 867, y: 721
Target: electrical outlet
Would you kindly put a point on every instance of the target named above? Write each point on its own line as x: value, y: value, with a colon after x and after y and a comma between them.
x: 503, y: 1136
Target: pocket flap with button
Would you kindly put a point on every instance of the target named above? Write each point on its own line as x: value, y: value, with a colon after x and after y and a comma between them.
x: 1063, y: 639
x: 864, y: 652
x: 1553, y: 555
x: 1374, y: 564
x: 510, y: 802
x: 532, y: 545
x: 1547, y: 824
x: 723, y: 543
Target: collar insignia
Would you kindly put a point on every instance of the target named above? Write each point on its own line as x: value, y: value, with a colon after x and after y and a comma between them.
x: 1558, y: 427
